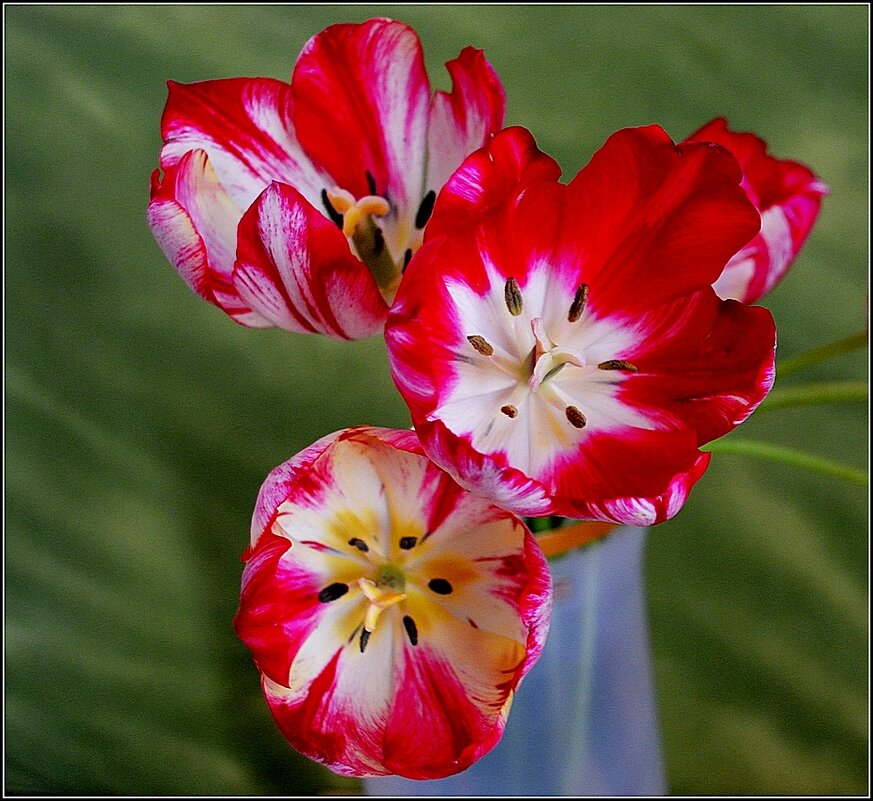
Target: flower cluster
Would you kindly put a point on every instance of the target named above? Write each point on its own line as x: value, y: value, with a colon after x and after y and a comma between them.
x: 564, y: 349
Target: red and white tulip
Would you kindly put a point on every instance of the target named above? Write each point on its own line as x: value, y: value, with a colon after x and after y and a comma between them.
x: 299, y: 205
x: 560, y: 346
x: 788, y: 196
x: 391, y: 613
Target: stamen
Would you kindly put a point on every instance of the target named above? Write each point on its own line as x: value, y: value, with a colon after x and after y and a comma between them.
x: 440, y: 586
x: 513, y: 298
x: 617, y: 364
x: 357, y: 542
x: 407, y: 543
x: 481, y: 345
x: 411, y: 630
x: 334, y: 215
x: 332, y: 592
x: 371, y: 182
x: 365, y: 638
x: 578, y: 304
x: 509, y: 410
x: 576, y: 418
x: 425, y: 209
x: 407, y: 257
x: 352, y: 635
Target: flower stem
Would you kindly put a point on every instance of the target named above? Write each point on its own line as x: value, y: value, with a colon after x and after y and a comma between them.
x: 810, y: 394
x: 821, y: 353
x: 776, y: 453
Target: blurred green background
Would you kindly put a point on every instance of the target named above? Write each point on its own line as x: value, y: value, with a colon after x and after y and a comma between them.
x: 140, y: 422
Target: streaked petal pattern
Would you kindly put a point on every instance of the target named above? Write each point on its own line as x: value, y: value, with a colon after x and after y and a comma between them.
x: 391, y: 613
x: 787, y: 194
x: 361, y: 97
x: 194, y: 222
x: 245, y: 126
x: 349, y: 141
x: 462, y: 120
x: 560, y: 347
x: 295, y: 269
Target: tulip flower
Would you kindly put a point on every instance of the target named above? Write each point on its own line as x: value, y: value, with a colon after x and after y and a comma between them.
x: 299, y: 205
x: 788, y: 196
x: 560, y: 347
x: 391, y: 613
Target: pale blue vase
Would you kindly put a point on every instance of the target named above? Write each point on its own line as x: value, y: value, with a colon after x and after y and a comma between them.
x: 584, y: 720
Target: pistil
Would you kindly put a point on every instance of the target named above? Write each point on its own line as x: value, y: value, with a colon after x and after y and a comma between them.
x: 549, y: 359
x: 382, y: 594
x: 355, y: 212
x: 359, y: 225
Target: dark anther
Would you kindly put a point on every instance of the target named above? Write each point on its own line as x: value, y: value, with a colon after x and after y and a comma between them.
x: 578, y: 304
x: 509, y: 410
x: 371, y: 183
x: 440, y: 586
x: 481, y: 345
x: 357, y: 542
x: 576, y: 417
x: 332, y: 592
x: 425, y: 209
x: 512, y: 296
x: 331, y: 211
x: 411, y: 630
x: 378, y: 242
x: 407, y: 257
x: 408, y: 542
x: 365, y: 638
x: 617, y: 364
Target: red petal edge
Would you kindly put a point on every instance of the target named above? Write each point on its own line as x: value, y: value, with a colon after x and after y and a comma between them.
x: 787, y: 193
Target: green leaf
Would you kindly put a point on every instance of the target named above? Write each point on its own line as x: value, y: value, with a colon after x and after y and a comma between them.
x: 811, y: 394
x: 775, y: 453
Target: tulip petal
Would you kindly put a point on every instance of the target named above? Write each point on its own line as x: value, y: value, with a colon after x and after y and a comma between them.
x: 655, y: 220
x: 426, y: 690
x: 704, y: 361
x: 361, y: 98
x: 294, y: 267
x: 194, y: 222
x: 463, y: 120
x: 787, y: 194
x: 642, y: 511
x: 490, y: 177
x: 245, y: 126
